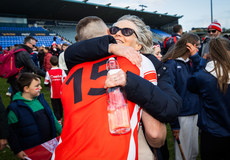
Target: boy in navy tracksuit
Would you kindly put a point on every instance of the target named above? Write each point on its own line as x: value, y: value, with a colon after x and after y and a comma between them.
x: 31, y: 120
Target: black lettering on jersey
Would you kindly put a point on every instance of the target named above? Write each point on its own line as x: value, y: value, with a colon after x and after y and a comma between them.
x: 77, y: 80
x: 95, y: 75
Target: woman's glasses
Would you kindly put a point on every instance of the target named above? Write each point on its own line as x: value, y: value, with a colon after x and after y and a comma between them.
x: 125, y: 31
x: 213, y: 31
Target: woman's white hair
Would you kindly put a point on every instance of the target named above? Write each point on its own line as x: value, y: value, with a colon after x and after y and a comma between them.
x: 145, y: 37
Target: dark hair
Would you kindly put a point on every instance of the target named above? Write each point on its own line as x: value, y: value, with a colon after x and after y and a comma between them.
x: 180, y: 49
x: 47, y: 48
x: 226, y: 36
x: 177, y: 28
x: 25, y: 79
x: 155, y: 43
x: 28, y: 39
x: 65, y: 44
x: 219, y: 49
x: 54, y: 60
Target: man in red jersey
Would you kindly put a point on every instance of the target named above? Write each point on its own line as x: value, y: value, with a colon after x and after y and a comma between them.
x: 86, y: 132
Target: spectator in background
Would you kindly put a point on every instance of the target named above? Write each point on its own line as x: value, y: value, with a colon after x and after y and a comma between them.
x: 55, y: 49
x: 1, y: 50
x: 61, y: 59
x: 55, y: 77
x: 23, y: 60
x: 169, y: 42
x: 4, y: 130
x: 9, y: 91
x: 212, y: 84
x: 7, y: 48
x: 31, y: 119
x: 178, y: 62
x: 41, y: 56
x: 16, y: 45
x: 62, y: 40
x: 54, y: 39
x: 46, y: 62
x: 214, y: 30
x: 226, y: 36
x: 157, y: 51
x: 34, y: 55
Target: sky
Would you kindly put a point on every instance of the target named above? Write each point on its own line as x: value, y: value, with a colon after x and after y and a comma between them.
x: 196, y: 13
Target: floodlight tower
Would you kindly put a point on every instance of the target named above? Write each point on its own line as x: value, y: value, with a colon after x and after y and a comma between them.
x: 211, y: 12
x: 142, y: 7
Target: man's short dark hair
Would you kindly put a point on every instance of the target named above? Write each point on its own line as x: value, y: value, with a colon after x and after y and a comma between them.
x: 82, y: 24
x: 177, y: 28
x: 47, y: 48
x: 65, y: 44
x: 54, y: 60
x: 28, y: 39
x: 25, y: 79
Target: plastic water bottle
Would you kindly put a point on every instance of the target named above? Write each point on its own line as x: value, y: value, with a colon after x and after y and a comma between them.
x: 118, y: 112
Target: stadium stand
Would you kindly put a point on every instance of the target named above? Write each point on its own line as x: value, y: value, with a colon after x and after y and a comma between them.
x: 6, y: 41
x: 15, y: 34
x: 40, y: 29
x: 68, y: 32
x: 160, y: 33
x: 13, y: 25
x: 48, y: 40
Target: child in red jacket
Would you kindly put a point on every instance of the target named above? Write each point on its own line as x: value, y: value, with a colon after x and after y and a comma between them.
x: 46, y: 63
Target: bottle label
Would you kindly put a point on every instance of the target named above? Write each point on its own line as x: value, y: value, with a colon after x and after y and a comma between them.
x: 113, y: 71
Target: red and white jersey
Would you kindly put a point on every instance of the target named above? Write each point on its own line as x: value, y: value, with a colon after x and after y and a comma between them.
x: 85, y: 134
x: 55, y: 78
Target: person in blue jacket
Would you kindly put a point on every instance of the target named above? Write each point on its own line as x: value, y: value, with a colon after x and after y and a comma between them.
x: 31, y: 120
x: 178, y: 60
x: 212, y: 84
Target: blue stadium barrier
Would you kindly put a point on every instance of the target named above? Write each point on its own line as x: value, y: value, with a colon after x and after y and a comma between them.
x: 161, y: 33
x: 6, y: 41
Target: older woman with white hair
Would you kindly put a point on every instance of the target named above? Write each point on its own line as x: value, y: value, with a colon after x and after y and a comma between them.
x: 167, y: 100
x: 130, y: 31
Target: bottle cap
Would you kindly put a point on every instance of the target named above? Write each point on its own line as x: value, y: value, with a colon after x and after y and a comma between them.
x: 112, y: 64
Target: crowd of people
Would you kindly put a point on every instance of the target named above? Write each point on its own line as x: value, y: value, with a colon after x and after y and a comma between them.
x: 183, y: 80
